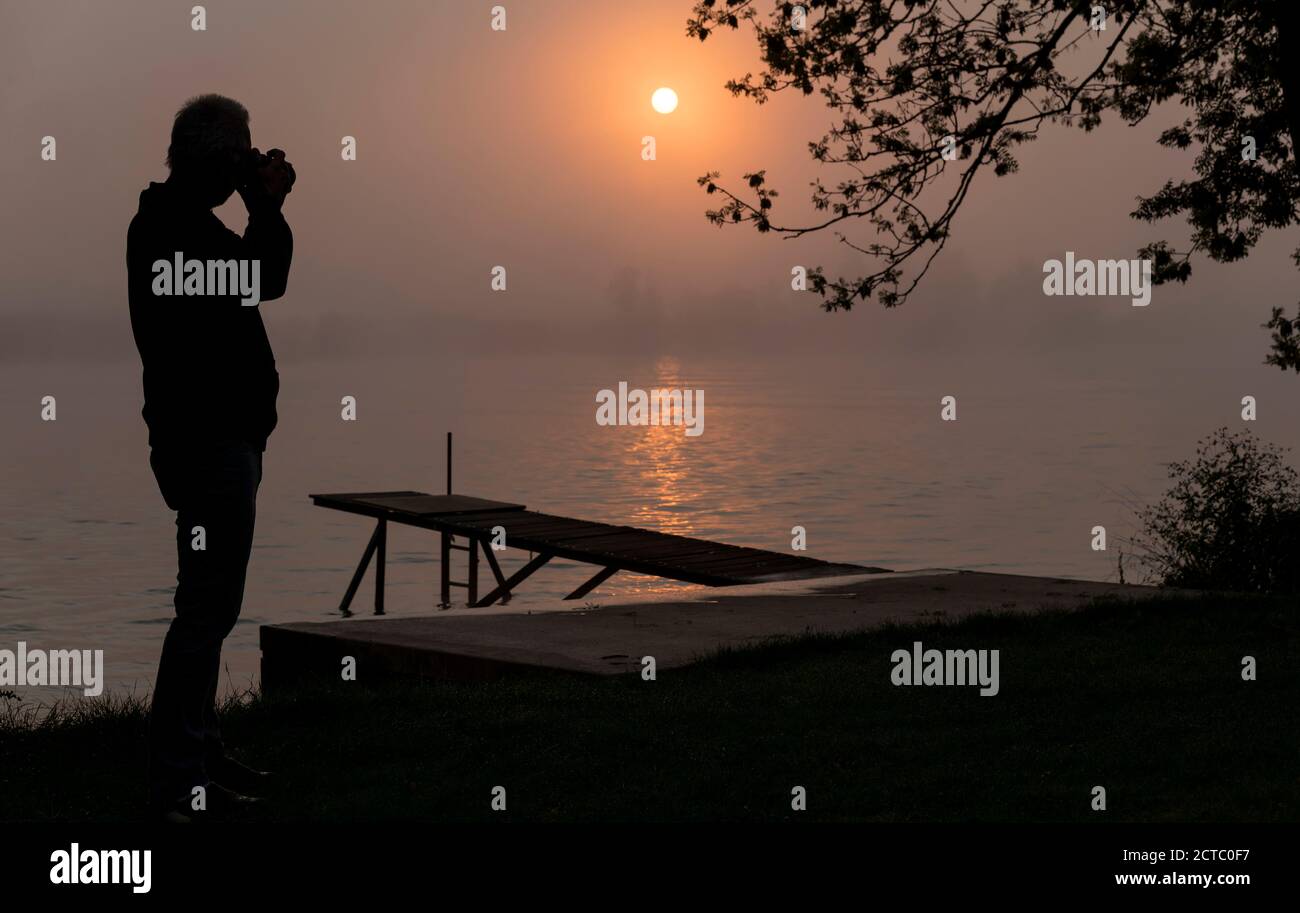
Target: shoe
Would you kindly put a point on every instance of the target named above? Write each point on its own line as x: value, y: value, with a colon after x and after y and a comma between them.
x: 220, y: 804
x: 174, y: 815
x: 240, y: 778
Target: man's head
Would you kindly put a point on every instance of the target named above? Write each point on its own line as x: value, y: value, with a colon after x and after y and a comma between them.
x: 210, y: 143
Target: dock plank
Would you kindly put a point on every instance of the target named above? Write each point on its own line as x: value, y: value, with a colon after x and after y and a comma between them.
x: 630, y: 548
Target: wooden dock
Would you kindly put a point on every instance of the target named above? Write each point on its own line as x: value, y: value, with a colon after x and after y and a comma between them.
x: 481, y: 522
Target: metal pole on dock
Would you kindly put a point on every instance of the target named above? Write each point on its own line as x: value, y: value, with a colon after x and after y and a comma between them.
x: 445, y: 555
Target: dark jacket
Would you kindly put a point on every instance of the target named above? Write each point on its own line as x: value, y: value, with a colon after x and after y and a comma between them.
x: 209, y: 372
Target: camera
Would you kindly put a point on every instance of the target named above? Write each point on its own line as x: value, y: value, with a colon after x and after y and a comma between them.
x: 249, y: 163
x: 252, y: 161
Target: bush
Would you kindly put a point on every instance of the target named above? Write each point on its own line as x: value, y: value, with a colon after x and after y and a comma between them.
x: 1231, y: 521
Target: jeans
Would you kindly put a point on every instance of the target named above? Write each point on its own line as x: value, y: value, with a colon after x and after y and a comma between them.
x: 213, y: 486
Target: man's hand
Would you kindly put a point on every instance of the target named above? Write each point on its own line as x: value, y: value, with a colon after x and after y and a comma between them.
x: 271, y: 183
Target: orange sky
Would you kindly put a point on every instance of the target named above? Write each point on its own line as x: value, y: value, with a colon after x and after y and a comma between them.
x: 521, y: 148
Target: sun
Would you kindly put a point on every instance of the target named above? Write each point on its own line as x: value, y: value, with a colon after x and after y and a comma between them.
x: 664, y: 100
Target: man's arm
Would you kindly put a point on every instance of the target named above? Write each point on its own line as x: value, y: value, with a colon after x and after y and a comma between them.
x: 268, y: 237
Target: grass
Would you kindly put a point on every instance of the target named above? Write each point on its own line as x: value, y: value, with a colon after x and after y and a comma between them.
x: 1143, y: 698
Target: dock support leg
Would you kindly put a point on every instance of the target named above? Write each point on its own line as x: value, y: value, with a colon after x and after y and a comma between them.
x: 381, y: 552
x: 445, y: 563
x: 600, y: 577
x: 472, y: 580
x: 361, y: 568
x: 496, y: 571
x: 518, y: 577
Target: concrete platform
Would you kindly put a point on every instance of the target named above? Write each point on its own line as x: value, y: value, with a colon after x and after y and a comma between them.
x: 611, y: 640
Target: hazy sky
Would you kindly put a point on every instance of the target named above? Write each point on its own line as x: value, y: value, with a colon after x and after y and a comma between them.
x: 522, y: 148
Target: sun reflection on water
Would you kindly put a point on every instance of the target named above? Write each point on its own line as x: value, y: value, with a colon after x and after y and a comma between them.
x: 657, y: 458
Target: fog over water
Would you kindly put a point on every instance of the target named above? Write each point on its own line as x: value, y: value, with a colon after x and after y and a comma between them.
x: 522, y: 149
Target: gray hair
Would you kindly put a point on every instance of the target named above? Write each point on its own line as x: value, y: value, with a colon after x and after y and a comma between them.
x: 207, y: 129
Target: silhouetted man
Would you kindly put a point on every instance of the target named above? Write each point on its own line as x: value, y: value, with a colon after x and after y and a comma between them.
x: 209, y: 401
